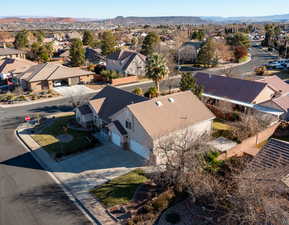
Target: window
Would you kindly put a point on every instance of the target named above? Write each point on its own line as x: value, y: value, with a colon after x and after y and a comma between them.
x: 128, y: 124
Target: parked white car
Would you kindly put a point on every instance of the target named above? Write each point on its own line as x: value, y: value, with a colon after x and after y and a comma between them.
x: 57, y: 84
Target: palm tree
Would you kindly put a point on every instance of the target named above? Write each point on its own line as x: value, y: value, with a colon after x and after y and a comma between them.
x: 156, y: 69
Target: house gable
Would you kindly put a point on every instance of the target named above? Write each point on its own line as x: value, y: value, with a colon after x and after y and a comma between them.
x: 265, y: 95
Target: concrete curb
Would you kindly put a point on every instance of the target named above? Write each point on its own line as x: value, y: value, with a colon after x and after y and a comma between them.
x: 70, y: 195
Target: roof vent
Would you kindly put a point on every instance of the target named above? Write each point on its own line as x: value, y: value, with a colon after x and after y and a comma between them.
x: 171, y: 100
x: 159, y: 103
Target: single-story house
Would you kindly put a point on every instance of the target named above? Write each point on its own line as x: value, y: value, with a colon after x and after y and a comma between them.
x: 14, y: 67
x: 126, y: 63
x: 281, y: 99
x: 11, y: 53
x: 104, y: 104
x: 47, y: 75
x: 244, y: 93
x: 142, y: 127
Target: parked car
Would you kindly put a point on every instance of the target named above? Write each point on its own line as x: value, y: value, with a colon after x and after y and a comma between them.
x: 280, y: 64
x: 57, y: 84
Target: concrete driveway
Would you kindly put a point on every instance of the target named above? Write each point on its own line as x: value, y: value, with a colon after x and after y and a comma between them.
x: 106, y: 157
x: 76, y: 90
x: 85, y: 171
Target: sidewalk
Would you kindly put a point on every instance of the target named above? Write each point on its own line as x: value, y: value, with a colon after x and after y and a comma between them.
x: 78, y: 184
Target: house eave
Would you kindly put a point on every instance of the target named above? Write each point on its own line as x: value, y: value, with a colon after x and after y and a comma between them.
x: 260, y: 108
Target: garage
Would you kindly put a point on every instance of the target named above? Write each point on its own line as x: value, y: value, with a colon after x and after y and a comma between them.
x: 116, y: 139
x: 139, y: 149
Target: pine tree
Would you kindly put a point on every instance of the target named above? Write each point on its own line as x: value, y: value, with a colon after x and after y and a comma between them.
x: 76, y: 51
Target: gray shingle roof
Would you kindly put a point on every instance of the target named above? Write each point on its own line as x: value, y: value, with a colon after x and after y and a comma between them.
x: 121, y: 55
x: 84, y: 109
x: 111, y: 100
x: 231, y: 88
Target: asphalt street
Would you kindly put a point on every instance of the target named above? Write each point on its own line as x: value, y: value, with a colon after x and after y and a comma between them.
x: 28, y: 195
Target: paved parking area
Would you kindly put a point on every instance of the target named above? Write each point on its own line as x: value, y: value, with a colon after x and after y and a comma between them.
x: 76, y: 90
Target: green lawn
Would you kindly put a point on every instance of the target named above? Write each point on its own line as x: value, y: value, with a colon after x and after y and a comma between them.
x: 121, y: 189
x: 47, y: 138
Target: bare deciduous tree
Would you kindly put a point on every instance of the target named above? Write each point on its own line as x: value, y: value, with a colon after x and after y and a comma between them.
x: 178, y: 158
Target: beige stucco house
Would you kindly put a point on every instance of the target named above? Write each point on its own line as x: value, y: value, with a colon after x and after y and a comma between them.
x: 11, y: 53
x: 45, y: 76
x: 140, y: 124
x: 14, y: 67
x: 143, y: 126
x: 103, y: 105
x: 127, y: 63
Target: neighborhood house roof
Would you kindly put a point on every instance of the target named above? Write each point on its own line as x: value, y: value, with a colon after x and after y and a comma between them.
x: 196, y: 44
x: 124, y: 57
x: 15, y: 65
x: 9, y: 51
x: 282, y: 102
x: 84, y: 109
x: 275, y: 154
x: 51, y: 71
x: 166, y: 114
x: 231, y: 88
x: 111, y: 100
x: 276, y: 84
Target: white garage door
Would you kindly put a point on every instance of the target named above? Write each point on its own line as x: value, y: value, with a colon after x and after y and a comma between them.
x: 115, y: 138
x: 139, y: 149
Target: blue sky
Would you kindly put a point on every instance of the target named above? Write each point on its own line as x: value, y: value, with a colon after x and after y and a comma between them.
x: 112, y: 8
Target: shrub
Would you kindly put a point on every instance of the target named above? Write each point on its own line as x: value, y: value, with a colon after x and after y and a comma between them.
x: 240, y: 52
x: 109, y: 74
x: 20, y: 98
x: 163, y: 200
x: 213, y: 165
x: 138, y: 91
x: 173, y: 218
x: 261, y: 70
x: 152, y: 93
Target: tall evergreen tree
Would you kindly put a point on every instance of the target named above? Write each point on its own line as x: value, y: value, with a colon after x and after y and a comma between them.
x: 87, y: 38
x: 108, y: 43
x: 188, y: 83
x: 21, y: 40
x: 207, y: 54
x: 150, y: 43
x: 76, y: 51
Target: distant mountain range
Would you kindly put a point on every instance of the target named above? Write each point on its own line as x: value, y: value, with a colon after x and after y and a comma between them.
x: 163, y: 20
x: 37, y: 20
x: 274, y: 18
